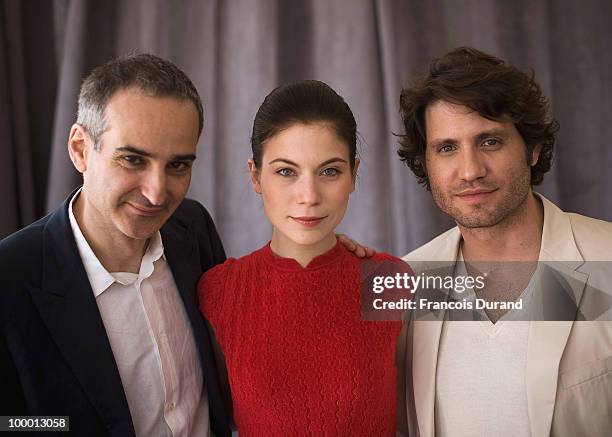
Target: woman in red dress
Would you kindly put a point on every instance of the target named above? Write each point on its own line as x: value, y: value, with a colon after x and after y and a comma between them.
x: 300, y: 359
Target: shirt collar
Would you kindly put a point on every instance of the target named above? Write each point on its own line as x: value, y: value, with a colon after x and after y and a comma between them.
x: 99, y: 278
x: 155, y: 251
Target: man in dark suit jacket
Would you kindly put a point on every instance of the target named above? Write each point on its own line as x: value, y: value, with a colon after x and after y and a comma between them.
x: 134, y: 142
x: 55, y: 357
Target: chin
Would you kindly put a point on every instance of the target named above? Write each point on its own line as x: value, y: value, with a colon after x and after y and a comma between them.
x: 473, y: 221
x: 139, y: 231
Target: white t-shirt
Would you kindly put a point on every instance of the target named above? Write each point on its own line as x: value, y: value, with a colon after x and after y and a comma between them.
x: 480, y: 376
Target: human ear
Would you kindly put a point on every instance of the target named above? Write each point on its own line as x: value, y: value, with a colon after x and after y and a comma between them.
x: 254, y: 173
x: 78, y: 147
x: 535, y: 154
x: 354, y: 173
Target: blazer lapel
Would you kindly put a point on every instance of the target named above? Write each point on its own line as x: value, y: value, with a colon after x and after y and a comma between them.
x: 427, y: 331
x: 181, y: 251
x: 547, y: 339
x: 67, y: 305
x: 426, y: 339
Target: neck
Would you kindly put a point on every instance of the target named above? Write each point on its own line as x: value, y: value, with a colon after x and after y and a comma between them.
x: 115, y: 251
x: 517, y: 238
x: 302, y: 253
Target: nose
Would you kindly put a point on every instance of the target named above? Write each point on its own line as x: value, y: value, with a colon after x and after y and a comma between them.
x: 472, y: 165
x: 307, y: 191
x: 153, y: 187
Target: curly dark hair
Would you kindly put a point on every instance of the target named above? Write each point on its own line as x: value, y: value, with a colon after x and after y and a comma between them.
x: 487, y: 85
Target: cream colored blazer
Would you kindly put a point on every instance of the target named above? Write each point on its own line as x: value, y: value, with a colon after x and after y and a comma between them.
x: 569, y: 364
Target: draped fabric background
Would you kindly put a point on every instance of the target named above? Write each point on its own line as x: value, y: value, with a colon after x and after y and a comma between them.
x: 236, y: 51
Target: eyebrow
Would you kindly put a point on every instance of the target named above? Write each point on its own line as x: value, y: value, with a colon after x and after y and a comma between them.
x: 500, y: 132
x: 491, y: 133
x: 324, y: 163
x: 137, y: 151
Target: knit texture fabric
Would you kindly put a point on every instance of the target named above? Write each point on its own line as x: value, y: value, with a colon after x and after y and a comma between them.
x: 300, y: 360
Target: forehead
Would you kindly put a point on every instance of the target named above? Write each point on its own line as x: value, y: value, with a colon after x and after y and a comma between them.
x: 144, y: 121
x: 306, y: 142
x: 448, y: 120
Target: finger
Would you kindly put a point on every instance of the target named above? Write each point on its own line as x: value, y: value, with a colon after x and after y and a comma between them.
x: 348, y: 242
x: 369, y: 251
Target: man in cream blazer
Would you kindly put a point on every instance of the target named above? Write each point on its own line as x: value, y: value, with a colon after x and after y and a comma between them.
x: 569, y: 364
x: 476, y: 136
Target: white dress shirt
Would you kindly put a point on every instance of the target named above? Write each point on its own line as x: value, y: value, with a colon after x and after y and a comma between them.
x: 152, y: 342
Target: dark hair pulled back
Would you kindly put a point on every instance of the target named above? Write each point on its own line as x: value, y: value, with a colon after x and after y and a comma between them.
x: 304, y: 101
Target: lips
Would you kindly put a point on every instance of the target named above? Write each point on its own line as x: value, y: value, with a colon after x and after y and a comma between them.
x: 144, y: 211
x: 308, y: 222
x: 475, y: 195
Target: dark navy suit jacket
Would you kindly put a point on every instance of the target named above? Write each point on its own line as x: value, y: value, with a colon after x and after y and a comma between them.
x: 55, y: 357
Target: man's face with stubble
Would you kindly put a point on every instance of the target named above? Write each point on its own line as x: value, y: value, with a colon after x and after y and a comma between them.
x: 477, y: 168
x: 141, y: 171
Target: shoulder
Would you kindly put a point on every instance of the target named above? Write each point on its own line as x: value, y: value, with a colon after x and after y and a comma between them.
x: 23, y: 239
x: 388, y: 263
x: 192, y: 221
x: 441, y: 248
x: 19, y: 249
x: 235, y: 266
x: 191, y: 211
x: 593, y: 237
x: 232, y: 270
x: 215, y: 277
x: 382, y: 256
x: 21, y: 267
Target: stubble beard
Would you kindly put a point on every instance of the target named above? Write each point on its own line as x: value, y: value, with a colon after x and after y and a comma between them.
x: 504, y: 212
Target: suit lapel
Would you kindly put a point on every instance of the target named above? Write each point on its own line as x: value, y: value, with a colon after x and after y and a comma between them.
x: 181, y: 251
x: 547, y: 340
x: 427, y: 333
x: 561, y: 287
x: 179, y: 248
x: 426, y: 339
x: 68, y: 308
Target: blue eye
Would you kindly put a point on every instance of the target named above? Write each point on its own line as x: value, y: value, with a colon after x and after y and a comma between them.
x: 330, y: 172
x: 285, y: 172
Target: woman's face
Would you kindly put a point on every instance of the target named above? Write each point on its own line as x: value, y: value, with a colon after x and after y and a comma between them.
x: 305, y: 181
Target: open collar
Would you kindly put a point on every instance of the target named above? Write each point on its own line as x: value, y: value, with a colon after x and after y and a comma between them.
x: 101, y: 279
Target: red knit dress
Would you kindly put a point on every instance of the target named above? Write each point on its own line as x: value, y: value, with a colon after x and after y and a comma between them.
x: 300, y: 360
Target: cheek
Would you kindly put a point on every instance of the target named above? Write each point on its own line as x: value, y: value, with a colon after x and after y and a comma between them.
x: 436, y: 173
x: 275, y: 198
x: 179, y: 187
x: 520, y: 161
x: 103, y: 188
x: 338, y: 194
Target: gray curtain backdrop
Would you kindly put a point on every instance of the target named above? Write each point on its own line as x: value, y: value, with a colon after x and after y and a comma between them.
x: 236, y: 51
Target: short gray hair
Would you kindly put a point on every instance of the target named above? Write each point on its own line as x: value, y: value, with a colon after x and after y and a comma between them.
x: 151, y: 74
